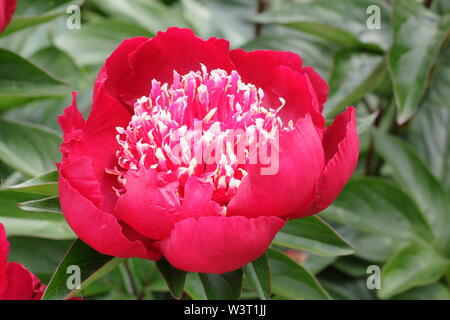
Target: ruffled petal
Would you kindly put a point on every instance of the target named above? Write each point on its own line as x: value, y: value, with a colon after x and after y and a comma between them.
x: 4, y: 251
x: 218, y: 244
x: 95, y: 138
x: 7, y: 8
x: 99, y: 229
x: 262, y: 68
x: 176, y: 49
x: 341, y: 145
x: 291, y: 188
x: 150, y: 202
x: 20, y: 283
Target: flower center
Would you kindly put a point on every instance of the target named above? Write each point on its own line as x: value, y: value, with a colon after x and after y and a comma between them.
x: 206, y: 124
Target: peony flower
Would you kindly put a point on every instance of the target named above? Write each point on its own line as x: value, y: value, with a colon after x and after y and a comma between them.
x: 16, y: 282
x: 7, y: 8
x: 199, y: 153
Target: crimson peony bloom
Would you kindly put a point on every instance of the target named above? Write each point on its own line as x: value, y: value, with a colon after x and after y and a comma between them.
x: 7, y: 8
x: 143, y: 176
x: 16, y: 282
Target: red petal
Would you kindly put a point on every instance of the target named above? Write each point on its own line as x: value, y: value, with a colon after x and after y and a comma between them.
x: 97, y: 228
x: 4, y: 250
x: 176, y: 49
x: 150, y: 203
x: 218, y: 244
x: 20, y: 283
x: 341, y: 145
x: 7, y: 8
x: 260, y: 68
x: 301, y: 160
x: 95, y: 139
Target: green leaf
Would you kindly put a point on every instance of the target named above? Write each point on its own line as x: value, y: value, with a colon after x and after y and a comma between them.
x: 22, y: 81
x: 151, y: 15
x: 258, y: 273
x: 46, y: 184
x: 314, y: 235
x: 92, y: 264
x: 364, y: 123
x: 418, y: 35
x: 291, y: 280
x: 371, y: 246
x: 174, y: 278
x: 226, y: 19
x: 353, y: 76
x: 193, y: 287
x: 343, y: 22
x: 41, y: 205
x: 415, y: 265
x: 314, y: 51
x: 32, y: 13
x: 429, y: 133
x: 33, y: 224
x: 422, y: 186
x: 342, y: 287
x: 32, y: 149
x: 225, y: 286
x: 435, y: 291
x: 61, y: 65
x: 43, y: 261
x: 92, y: 44
x: 377, y: 206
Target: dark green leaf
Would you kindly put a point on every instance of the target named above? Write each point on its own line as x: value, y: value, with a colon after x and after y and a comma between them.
x: 32, y: 13
x: 41, y: 205
x: 33, y: 224
x: 430, y: 130
x: 92, y: 264
x: 376, y: 206
x: 366, y: 122
x: 94, y: 43
x: 226, y: 19
x: 342, y: 287
x: 435, y: 291
x: 415, y: 265
x: 343, y: 22
x: 354, y: 75
x: 23, y: 81
x: 42, y: 261
x: 32, y: 149
x: 418, y: 35
x: 258, y: 273
x: 314, y: 235
x: 225, y: 286
x: 314, y: 51
x: 174, y: 278
x: 291, y: 280
x: 151, y: 15
x: 47, y: 184
x: 193, y: 287
x: 422, y: 186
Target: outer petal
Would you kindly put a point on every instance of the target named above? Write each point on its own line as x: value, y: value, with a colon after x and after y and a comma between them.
x: 218, y: 244
x: 99, y: 229
x: 150, y: 203
x: 7, y: 8
x: 301, y: 161
x: 261, y: 68
x: 341, y: 145
x: 176, y: 49
x: 4, y: 250
x: 21, y: 283
x: 95, y: 139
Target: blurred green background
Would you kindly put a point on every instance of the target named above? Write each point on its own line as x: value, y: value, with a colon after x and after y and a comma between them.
x: 390, y: 59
